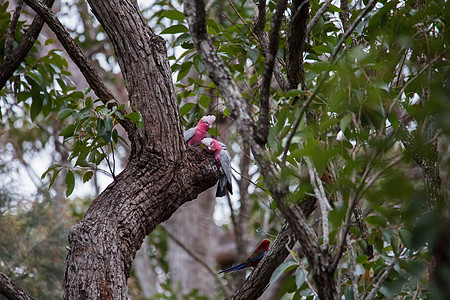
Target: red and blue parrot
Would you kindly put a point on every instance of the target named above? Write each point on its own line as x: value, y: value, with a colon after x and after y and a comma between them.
x: 253, y: 259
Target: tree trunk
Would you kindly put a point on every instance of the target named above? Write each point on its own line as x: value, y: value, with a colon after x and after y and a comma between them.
x: 192, y: 225
x: 145, y: 274
x: 160, y: 176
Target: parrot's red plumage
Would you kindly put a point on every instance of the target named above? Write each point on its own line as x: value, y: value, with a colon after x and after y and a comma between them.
x: 253, y: 259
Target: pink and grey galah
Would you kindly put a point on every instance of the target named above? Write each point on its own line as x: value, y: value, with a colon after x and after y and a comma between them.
x: 223, y: 158
x: 194, y: 136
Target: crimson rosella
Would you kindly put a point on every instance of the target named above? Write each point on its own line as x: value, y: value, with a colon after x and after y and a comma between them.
x: 195, y: 135
x: 223, y: 158
x: 253, y: 259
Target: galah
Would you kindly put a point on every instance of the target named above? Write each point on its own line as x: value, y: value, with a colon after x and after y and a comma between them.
x: 223, y: 158
x: 253, y: 259
x: 195, y: 135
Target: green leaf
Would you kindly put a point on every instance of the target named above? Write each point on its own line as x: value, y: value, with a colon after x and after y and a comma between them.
x: 70, y: 182
x: 362, y: 259
x: 204, y: 101
x: 134, y: 116
x: 87, y: 176
x: 284, y: 267
x: 55, y: 174
x: 174, y: 15
x: 175, y: 29
x: 299, y: 277
x: 115, y: 135
x: 345, y: 121
x: 64, y: 113
x: 68, y: 131
x: 405, y: 237
x: 89, y: 103
x: 376, y: 220
x: 184, y: 70
x: 293, y: 93
x: 36, y: 105
x: 52, y: 167
x: 186, y: 108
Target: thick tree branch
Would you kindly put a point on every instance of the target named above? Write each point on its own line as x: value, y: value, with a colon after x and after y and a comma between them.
x: 263, y: 39
x: 295, y: 41
x: 11, y: 64
x: 78, y: 57
x: 264, y: 103
x: 10, y: 290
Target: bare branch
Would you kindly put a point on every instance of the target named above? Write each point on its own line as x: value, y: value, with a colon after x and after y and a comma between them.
x: 10, y: 290
x: 344, y: 14
x: 11, y: 64
x: 317, y: 16
x: 77, y: 55
x: 295, y: 41
x: 263, y: 38
x: 264, y: 103
x: 349, y: 31
x: 242, y: 19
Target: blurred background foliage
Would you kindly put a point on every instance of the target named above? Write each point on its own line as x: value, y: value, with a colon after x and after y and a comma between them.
x: 382, y: 113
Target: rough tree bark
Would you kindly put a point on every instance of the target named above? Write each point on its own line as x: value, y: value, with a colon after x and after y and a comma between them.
x: 161, y: 174
x: 9, y: 289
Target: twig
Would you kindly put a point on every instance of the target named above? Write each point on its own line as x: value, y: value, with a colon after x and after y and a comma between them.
x: 391, y: 107
x: 358, y: 19
x: 249, y: 180
x: 12, y: 30
x: 317, y: 16
x: 383, y: 277
x: 242, y: 19
x: 224, y: 289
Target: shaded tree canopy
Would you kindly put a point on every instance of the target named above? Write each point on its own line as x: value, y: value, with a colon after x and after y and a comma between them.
x: 336, y: 112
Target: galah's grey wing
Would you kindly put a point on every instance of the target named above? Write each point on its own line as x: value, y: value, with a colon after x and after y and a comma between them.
x: 189, y: 134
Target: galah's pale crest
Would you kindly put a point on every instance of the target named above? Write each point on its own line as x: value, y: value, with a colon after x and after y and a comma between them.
x: 195, y: 135
x: 223, y: 158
